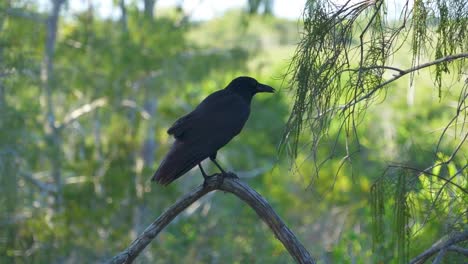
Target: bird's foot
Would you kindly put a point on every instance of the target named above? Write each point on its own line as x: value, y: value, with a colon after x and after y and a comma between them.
x: 206, y: 178
x: 220, y: 178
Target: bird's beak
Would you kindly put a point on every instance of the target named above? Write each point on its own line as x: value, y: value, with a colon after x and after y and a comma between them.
x: 263, y: 88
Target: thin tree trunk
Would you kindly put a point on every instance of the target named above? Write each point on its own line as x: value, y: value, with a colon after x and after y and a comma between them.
x: 149, y: 8
x: 149, y: 145
x: 8, y: 167
x: 146, y: 155
x: 123, y: 16
x: 47, y: 79
x: 148, y: 148
x: 4, y: 6
x: 8, y: 201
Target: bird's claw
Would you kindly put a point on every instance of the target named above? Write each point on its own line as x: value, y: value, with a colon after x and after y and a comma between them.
x: 207, y: 177
x: 220, y: 179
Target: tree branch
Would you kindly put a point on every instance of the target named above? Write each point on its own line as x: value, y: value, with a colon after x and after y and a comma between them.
x: 458, y: 249
x: 403, y: 73
x: 440, y: 246
x: 228, y: 184
x: 20, y: 12
x: 82, y: 110
x: 45, y: 187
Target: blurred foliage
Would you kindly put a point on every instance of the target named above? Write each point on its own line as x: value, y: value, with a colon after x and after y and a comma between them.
x: 119, y: 84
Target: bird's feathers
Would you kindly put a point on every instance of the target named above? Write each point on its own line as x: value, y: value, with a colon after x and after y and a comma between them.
x: 202, y: 132
x: 181, y: 125
x: 177, y: 162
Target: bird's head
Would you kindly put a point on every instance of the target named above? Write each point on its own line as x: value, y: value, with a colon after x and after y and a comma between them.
x: 248, y: 87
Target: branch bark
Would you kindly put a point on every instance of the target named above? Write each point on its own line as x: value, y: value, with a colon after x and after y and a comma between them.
x: 440, y: 246
x: 228, y: 184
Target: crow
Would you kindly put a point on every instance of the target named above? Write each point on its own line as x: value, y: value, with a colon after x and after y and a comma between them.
x: 211, y: 125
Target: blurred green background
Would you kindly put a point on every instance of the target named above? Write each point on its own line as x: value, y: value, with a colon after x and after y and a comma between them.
x: 79, y: 143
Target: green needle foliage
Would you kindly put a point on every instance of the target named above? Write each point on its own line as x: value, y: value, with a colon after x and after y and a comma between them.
x: 80, y: 140
x: 343, y: 65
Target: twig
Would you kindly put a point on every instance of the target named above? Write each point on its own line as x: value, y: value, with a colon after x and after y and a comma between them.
x: 133, y: 105
x: 77, y: 113
x: 236, y: 187
x: 428, y: 171
x: 20, y: 12
x: 45, y: 187
x: 403, y: 73
x: 458, y: 249
x: 440, y: 246
x: 440, y: 256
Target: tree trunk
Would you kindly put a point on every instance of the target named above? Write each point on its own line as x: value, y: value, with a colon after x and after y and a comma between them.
x: 149, y: 8
x: 47, y: 79
x: 123, y: 16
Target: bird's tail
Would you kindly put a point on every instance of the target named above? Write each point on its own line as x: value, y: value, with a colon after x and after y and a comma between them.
x: 177, y: 162
x: 163, y: 179
x: 167, y: 174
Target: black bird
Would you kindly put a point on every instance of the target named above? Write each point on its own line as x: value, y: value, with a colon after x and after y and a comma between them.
x: 214, y: 122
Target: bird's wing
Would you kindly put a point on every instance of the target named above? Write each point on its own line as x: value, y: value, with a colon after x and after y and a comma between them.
x: 202, y: 132
x: 220, y: 110
x: 181, y: 125
x: 187, y: 121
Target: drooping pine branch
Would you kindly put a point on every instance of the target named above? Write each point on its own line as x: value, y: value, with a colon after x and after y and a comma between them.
x: 340, y: 68
x: 343, y: 56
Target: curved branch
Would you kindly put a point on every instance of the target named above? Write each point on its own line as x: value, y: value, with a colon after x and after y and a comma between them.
x: 440, y: 246
x: 228, y: 184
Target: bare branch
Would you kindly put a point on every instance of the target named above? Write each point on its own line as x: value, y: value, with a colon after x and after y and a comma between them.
x: 20, y: 12
x: 132, y: 104
x: 440, y: 246
x: 403, y: 73
x: 45, y: 187
x: 228, y: 184
x: 82, y: 110
x: 458, y: 249
x: 440, y: 256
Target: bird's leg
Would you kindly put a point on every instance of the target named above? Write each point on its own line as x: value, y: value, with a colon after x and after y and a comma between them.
x: 223, y: 172
x: 205, y: 176
x: 203, y: 171
x: 217, y: 165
